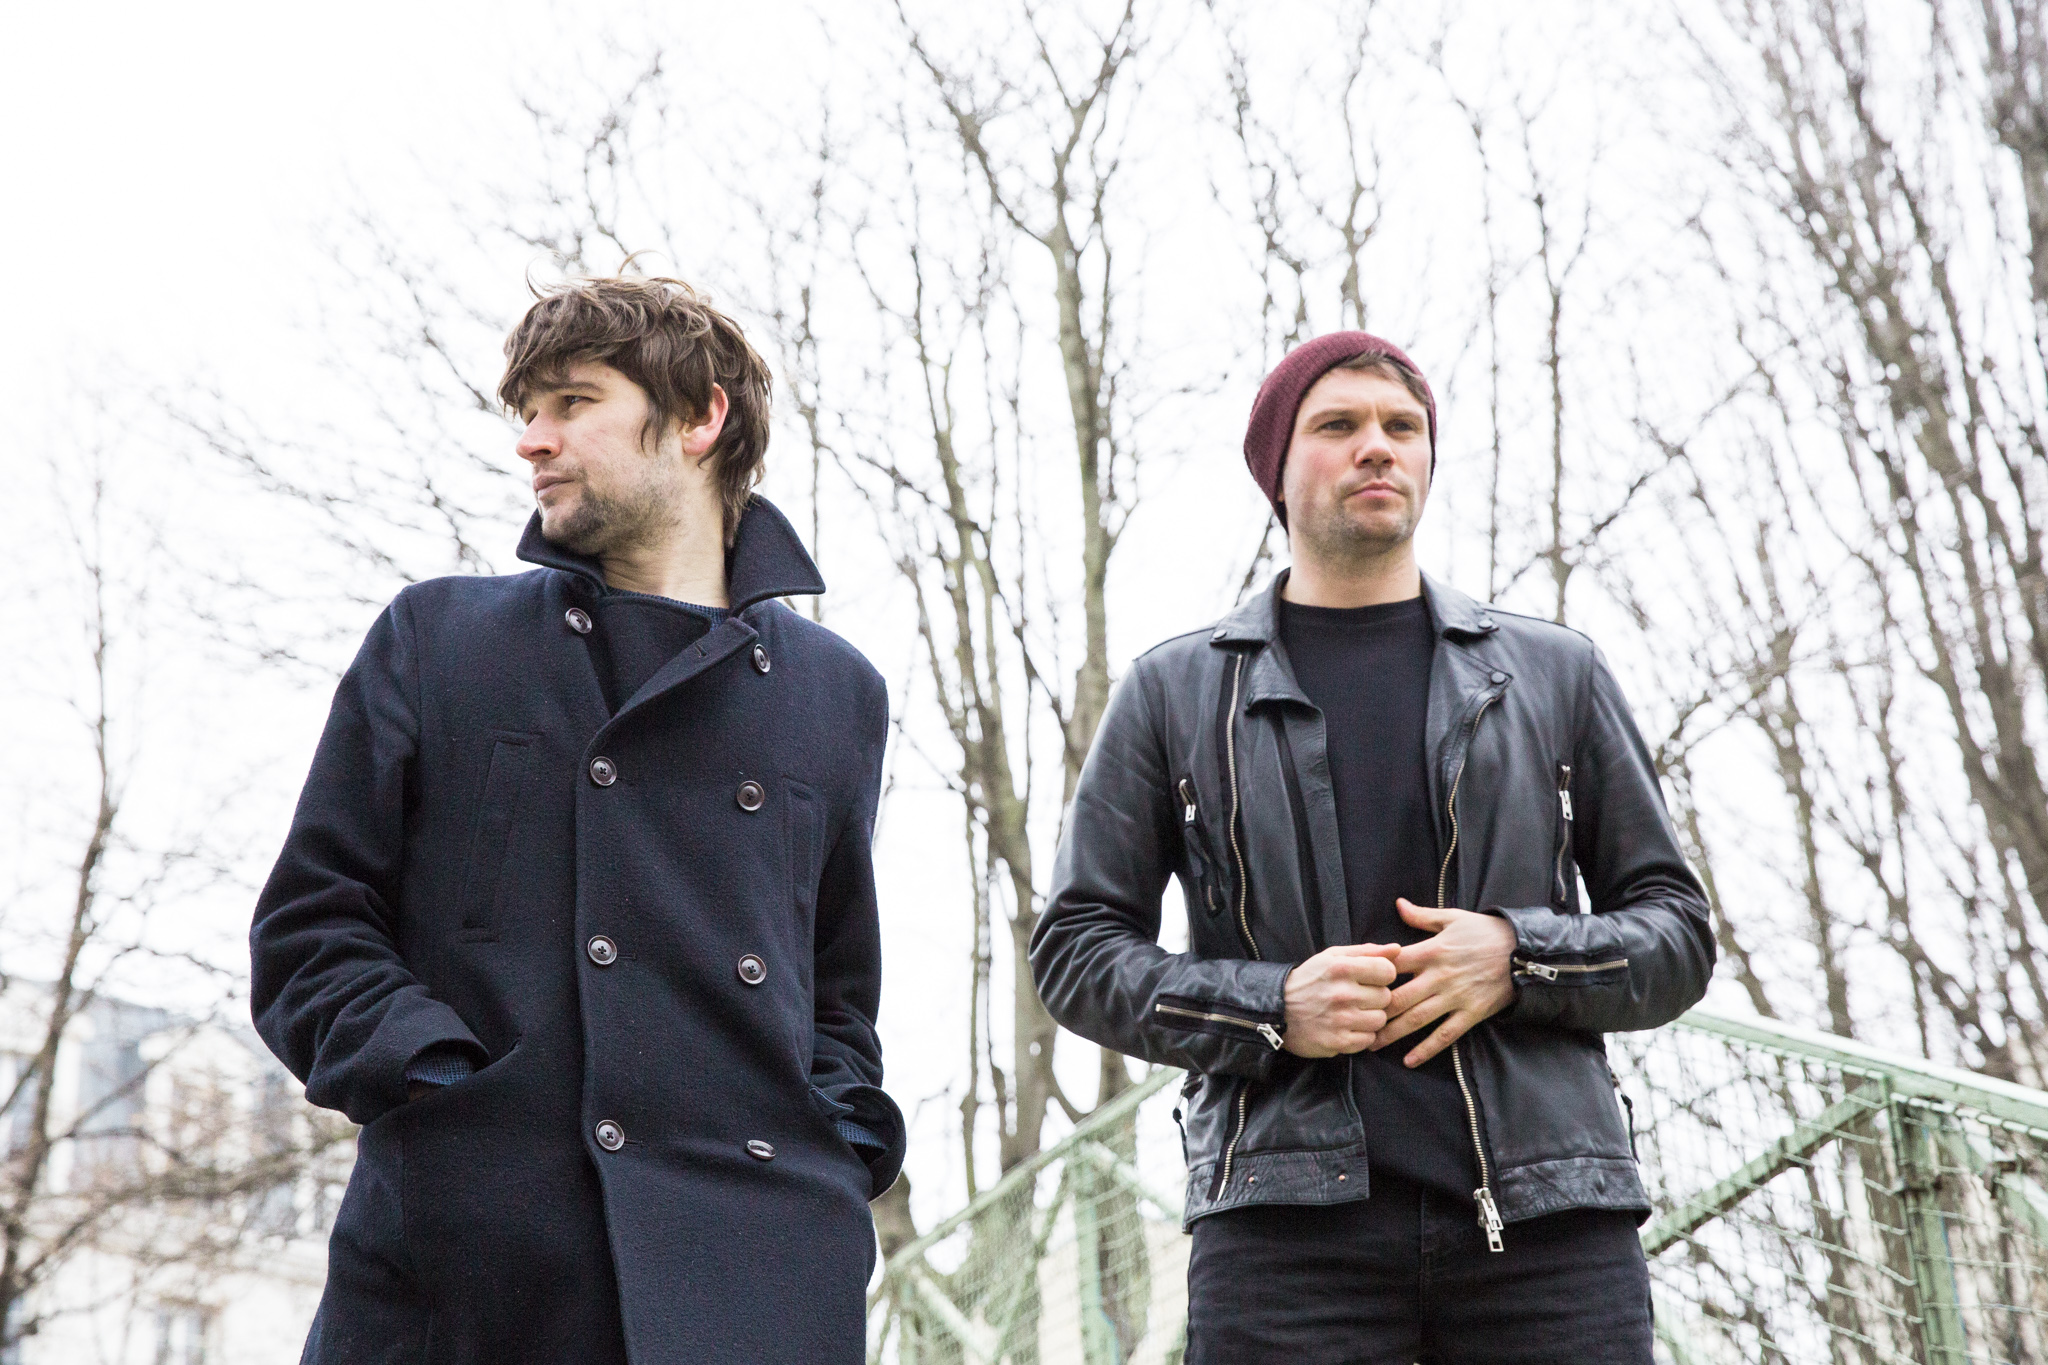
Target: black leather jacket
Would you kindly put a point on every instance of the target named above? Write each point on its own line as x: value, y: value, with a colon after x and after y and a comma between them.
x: 1210, y: 765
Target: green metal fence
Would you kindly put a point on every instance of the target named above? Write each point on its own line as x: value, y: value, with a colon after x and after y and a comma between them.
x: 1823, y: 1200
x: 1816, y: 1200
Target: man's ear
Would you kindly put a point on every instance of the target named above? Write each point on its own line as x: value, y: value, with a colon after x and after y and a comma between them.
x: 698, y: 439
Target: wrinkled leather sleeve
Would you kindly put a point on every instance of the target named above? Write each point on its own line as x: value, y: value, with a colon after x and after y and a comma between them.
x: 1647, y: 906
x: 1095, y: 953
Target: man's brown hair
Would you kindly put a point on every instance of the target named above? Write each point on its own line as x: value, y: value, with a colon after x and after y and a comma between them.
x: 1386, y: 367
x: 667, y: 338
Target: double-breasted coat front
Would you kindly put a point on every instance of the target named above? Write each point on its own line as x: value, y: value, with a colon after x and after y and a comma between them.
x: 655, y: 934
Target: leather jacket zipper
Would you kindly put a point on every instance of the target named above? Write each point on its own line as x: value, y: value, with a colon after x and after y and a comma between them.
x: 1545, y: 972
x: 1564, y: 837
x: 1244, y: 923
x: 1489, y: 1215
x: 1244, y: 1095
x: 1266, y: 1031
x: 1207, y: 872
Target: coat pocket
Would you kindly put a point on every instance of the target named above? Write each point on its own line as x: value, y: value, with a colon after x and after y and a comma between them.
x: 483, y: 876
x: 805, y: 836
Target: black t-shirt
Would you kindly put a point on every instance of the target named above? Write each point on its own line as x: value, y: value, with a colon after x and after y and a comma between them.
x: 1367, y: 670
x: 635, y: 633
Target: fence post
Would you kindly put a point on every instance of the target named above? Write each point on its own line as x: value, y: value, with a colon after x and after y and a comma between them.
x: 1918, y: 1162
x: 1098, y: 1341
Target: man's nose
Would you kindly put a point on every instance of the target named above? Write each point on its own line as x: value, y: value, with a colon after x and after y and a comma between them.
x: 539, y: 441
x: 1373, y: 446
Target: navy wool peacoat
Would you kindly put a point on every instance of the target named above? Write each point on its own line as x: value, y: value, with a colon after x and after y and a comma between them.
x: 654, y: 933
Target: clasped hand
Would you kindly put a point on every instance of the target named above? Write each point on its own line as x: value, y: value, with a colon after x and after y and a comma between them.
x: 1343, y: 999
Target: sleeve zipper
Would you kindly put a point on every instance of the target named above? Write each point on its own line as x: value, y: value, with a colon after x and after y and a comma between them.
x: 1543, y: 971
x: 1266, y: 1031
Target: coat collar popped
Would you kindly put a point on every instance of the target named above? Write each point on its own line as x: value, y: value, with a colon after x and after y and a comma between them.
x: 767, y: 558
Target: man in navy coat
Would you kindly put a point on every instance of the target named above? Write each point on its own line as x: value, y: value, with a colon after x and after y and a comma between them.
x: 577, y: 916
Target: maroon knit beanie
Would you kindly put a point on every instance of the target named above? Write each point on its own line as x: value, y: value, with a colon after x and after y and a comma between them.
x: 1271, y: 428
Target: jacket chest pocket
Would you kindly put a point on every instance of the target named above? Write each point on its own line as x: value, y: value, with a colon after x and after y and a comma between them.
x: 1564, y: 874
x: 1202, y: 875
x: 805, y: 838
x: 506, y: 782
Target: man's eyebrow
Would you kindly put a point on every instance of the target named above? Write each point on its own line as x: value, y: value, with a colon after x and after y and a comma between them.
x: 1339, y: 409
x: 562, y: 386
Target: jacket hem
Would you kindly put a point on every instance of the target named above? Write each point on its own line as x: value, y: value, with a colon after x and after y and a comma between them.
x: 1331, y: 1175
x: 1574, y: 1182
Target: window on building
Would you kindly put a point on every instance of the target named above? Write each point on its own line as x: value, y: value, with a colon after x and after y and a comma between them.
x: 183, y: 1334
x: 110, y: 1078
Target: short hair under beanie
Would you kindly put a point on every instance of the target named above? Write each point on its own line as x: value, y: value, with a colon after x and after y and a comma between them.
x: 1271, y: 428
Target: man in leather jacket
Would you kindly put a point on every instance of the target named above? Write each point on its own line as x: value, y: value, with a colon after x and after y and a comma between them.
x: 1403, y: 1139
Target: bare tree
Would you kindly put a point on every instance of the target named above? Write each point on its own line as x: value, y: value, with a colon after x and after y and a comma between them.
x: 87, y: 1165
x: 1890, y: 236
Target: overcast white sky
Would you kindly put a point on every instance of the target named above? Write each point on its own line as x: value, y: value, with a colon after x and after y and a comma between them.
x: 171, y: 177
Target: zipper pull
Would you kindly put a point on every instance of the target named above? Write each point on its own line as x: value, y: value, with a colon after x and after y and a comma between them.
x: 1541, y: 971
x: 1271, y: 1035
x: 1187, y: 796
x: 1489, y: 1218
x: 1564, y: 790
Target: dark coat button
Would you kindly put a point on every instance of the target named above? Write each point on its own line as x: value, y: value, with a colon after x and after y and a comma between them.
x: 603, y: 771
x: 760, y: 659
x: 750, y: 796
x: 753, y: 970
x: 602, y: 950
x: 578, y: 619
x: 610, y: 1136
x: 759, y: 1150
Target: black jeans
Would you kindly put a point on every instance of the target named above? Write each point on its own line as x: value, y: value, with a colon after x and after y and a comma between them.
x: 1405, y: 1278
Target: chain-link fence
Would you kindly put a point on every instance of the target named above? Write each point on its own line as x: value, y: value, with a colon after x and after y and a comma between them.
x: 1817, y: 1200
x: 1075, y: 1256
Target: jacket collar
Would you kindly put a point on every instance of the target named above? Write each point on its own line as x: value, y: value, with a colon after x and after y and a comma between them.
x: 767, y: 558
x: 1256, y: 621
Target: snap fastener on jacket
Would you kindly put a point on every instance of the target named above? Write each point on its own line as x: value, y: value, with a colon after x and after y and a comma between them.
x: 759, y: 1150
x: 602, y: 950
x: 1499, y: 678
x: 578, y: 619
x: 760, y: 659
x: 750, y: 796
x: 603, y: 771
x: 610, y: 1136
x: 753, y: 970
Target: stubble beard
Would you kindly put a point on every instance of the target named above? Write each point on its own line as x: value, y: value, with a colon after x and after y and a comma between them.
x: 1345, y: 543
x: 603, y: 523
